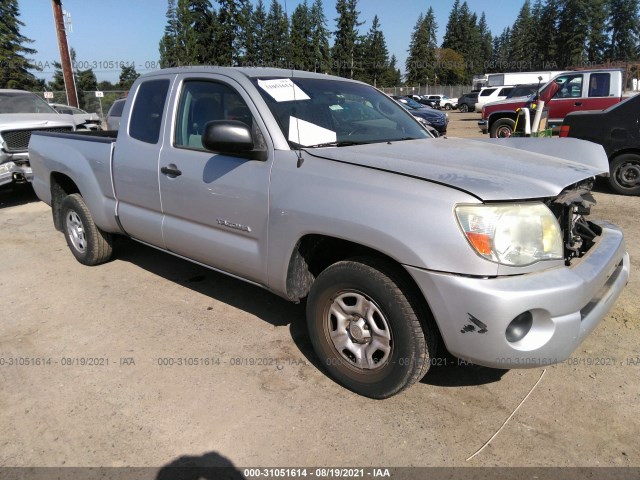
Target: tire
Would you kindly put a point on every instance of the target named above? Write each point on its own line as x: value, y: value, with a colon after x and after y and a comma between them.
x: 502, y: 128
x: 624, y: 175
x: 89, y: 244
x: 381, y: 347
x: 447, y: 106
x: 464, y: 108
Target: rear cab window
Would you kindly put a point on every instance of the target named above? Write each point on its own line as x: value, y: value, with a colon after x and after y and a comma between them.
x: 599, y: 84
x: 148, y: 109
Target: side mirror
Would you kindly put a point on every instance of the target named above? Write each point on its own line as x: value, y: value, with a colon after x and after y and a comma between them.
x: 227, y: 136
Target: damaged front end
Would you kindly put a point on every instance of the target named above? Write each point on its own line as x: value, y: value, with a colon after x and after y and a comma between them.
x: 571, y: 208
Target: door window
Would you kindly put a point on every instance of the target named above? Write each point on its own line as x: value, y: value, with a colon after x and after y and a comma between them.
x: 203, y: 101
x: 570, y: 87
x: 487, y: 92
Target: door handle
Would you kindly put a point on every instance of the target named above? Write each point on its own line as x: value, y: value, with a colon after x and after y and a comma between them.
x: 171, y: 170
x: 578, y: 104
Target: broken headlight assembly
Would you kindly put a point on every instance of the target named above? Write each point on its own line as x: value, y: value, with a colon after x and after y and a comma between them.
x: 514, y: 234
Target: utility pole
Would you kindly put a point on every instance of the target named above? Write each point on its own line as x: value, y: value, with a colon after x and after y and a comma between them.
x: 65, y: 60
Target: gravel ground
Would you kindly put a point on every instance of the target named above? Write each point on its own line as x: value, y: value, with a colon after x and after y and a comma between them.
x: 98, y: 391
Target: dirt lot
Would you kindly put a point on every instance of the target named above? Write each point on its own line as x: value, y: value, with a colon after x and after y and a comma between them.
x: 98, y: 390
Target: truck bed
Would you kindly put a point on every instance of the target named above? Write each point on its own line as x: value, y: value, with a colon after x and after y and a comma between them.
x: 84, y: 157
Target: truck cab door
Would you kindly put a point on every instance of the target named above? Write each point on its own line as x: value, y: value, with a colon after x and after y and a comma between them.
x: 135, y: 162
x: 215, y: 205
x: 568, y: 98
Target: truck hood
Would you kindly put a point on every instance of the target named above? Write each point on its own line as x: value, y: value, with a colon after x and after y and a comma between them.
x: 31, y: 121
x: 489, y: 169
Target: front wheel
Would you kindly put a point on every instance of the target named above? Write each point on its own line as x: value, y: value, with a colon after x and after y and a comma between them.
x: 365, y: 327
x: 502, y: 128
x: 89, y: 244
x: 625, y: 174
x: 447, y: 106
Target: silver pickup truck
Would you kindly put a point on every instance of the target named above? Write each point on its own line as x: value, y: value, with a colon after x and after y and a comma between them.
x: 320, y: 188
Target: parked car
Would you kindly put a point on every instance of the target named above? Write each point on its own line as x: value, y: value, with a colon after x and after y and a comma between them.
x: 22, y: 113
x: 444, y: 101
x: 492, y: 94
x: 436, y: 118
x: 83, y: 120
x: 467, y: 102
x: 112, y: 120
x: 565, y: 93
x: 394, y: 239
x: 423, y: 100
x: 617, y: 129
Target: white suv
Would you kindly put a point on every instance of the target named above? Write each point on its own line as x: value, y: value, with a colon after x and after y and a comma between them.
x: 445, y: 102
x: 492, y: 94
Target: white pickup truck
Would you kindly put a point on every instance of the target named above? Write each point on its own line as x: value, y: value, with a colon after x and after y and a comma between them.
x: 22, y: 113
x: 324, y: 190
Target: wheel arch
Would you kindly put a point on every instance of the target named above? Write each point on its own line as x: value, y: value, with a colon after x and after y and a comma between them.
x: 495, y: 116
x: 61, y: 186
x: 313, y: 253
x: 624, y: 151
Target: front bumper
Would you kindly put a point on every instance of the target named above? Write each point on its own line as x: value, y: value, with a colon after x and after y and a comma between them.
x: 483, y: 125
x: 566, y: 304
x: 14, y: 172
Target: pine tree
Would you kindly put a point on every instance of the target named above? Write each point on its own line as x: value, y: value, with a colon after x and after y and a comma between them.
x: 376, y: 55
x: 169, y: 55
x: 548, y: 36
x: 227, y: 32
x: 256, y: 45
x: 486, y: 44
x: 243, y: 41
x: 501, y: 48
x: 320, y: 38
x: 346, y: 38
x: 522, y: 40
x: 300, y: 37
x: 200, y: 33
x: 57, y: 82
x: 573, y: 29
x: 128, y: 75
x: 421, y: 62
x: 392, y: 76
x: 597, y: 39
x: 453, y: 36
x: 276, y: 36
x: 624, y: 26
x: 14, y: 66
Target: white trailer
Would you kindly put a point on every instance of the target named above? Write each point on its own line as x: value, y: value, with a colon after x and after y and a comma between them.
x: 517, y: 78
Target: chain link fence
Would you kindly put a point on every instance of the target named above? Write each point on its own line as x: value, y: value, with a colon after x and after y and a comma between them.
x: 88, y: 101
x: 453, y: 91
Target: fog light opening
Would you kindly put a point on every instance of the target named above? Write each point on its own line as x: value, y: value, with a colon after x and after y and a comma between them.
x: 519, y: 327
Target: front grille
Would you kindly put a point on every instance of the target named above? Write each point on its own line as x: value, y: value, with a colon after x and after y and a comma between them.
x: 18, y: 140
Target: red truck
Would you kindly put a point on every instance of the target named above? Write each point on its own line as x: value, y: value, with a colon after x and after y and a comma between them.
x: 576, y: 91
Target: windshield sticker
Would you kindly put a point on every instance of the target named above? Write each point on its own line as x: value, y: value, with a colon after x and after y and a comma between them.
x: 283, y: 90
x: 306, y: 133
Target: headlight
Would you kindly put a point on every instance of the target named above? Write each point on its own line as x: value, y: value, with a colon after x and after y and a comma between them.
x: 516, y: 234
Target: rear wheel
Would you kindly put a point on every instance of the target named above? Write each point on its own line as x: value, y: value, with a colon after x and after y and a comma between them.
x: 365, y: 327
x: 447, y: 106
x: 625, y: 174
x: 502, y: 128
x: 464, y: 108
x: 89, y: 244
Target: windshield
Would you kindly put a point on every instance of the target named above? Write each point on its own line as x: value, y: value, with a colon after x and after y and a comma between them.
x: 314, y: 112
x: 23, y: 102
x: 412, y: 102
